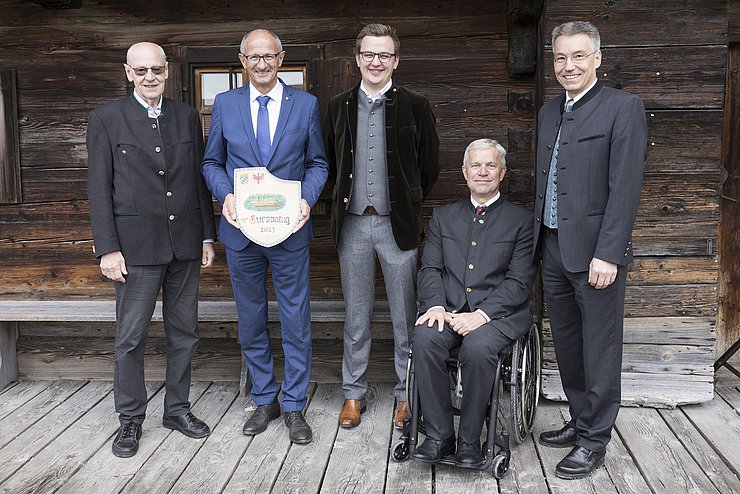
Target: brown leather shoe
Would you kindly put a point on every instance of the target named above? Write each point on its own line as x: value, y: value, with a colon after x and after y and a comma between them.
x: 402, y: 412
x: 349, y: 418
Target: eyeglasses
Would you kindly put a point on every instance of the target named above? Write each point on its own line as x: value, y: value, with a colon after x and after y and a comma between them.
x: 141, y: 71
x: 383, y: 56
x: 576, y: 59
x: 255, y: 59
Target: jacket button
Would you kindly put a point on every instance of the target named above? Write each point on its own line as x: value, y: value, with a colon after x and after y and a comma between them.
x: 154, y: 126
x: 157, y: 149
x: 172, y: 217
x: 549, y: 146
x: 169, y: 194
x: 345, y: 200
x: 161, y: 172
x: 350, y: 176
x: 470, y: 266
x: 468, y: 289
x: 474, y: 243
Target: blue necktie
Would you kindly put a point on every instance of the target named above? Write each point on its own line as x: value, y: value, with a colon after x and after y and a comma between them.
x: 263, y: 129
x: 551, y: 192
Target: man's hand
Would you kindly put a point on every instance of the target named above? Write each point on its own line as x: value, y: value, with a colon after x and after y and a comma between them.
x: 465, y: 322
x: 434, y: 315
x: 209, y: 254
x: 601, y: 274
x: 113, y: 266
x: 229, y: 210
x: 304, y: 215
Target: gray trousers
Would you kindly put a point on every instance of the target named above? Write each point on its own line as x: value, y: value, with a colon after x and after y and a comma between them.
x: 363, y: 239
x: 135, y: 302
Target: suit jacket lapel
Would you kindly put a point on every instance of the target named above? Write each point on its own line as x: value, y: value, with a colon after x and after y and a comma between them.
x: 243, y: 101
x: 285, y: 108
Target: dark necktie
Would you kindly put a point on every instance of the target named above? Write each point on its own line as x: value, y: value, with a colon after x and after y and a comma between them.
x: 479, y: 210
x: 263, y: 129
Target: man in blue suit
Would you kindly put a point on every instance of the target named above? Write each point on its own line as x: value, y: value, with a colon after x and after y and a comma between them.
x: 293, y: 150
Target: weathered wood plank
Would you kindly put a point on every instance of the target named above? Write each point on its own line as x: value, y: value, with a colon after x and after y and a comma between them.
x: 260, y: 466
x: 16, y: 396
x: 89, y: 479
x: 8, y: 354
x: 622, y: 469
x: 671, y: 22
x: 661, y: 390
x: 661, y: 270
x: 703, y: 452
x: 525, y: 471
x: 552, y: 416
x: 717, y: 421
x: 42, y: 462
x: 369, y: 441
x: 304, y: 466
x: 171, y: 458
x: 456, y: 480
x: 30, y: 412
x: 407, y: 477
x: 666, y: 465
x: 212, y: 466
x: 668, y: 149
x: 666, y: 362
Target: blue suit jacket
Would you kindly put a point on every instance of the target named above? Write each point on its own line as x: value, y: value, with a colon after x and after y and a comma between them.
x: 297, y: 153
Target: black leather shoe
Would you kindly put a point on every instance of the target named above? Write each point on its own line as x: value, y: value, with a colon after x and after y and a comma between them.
x: 431, y: 450
x: 188, y: 424
x: 298, y: 429
x: 126, y: 443
x: 262, y: 416
x: 469, y: 455
x: 579, y: 463
x: 561, y: 438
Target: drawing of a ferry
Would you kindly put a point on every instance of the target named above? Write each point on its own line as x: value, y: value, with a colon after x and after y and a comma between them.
x: 264, y: 202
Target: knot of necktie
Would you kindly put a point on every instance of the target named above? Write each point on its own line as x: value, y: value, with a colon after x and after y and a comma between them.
x: 479, y: 210
x: 263, y: 100
x: 569, y: 105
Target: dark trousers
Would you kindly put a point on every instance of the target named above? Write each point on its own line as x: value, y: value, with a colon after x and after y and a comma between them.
x: 587, y: 331
x: 290, y: 277
x: 478, y: 357
x: 135, y: 301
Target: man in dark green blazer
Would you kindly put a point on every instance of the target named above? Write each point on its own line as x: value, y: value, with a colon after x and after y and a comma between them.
x: 153, y: 228
x: 383, y: 153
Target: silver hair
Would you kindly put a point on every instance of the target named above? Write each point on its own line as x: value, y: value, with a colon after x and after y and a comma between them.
x: 485, y: 144
x: 275, y: 36
x: 578, y: 27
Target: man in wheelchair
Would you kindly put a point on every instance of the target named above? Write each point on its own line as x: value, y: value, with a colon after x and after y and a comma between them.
x: 474, y: 288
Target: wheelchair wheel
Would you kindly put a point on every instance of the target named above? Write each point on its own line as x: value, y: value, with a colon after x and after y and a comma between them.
x: 500, y: 465
x: 526, y: 364
x: 400, y: 450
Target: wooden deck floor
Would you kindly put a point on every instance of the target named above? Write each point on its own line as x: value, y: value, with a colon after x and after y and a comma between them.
x: 55, y: 436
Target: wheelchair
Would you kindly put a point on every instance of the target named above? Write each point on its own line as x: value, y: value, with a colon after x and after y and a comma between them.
x: 518, y: 372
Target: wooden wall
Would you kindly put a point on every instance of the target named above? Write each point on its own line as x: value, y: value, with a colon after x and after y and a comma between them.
x: 673, y: 55
x: 68, y: 62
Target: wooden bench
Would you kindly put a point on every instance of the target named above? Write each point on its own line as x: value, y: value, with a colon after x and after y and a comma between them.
x: 13, y: 312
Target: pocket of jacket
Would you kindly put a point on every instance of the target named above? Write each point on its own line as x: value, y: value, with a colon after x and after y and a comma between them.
x: 417, y: 195
x: 591, y: 138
